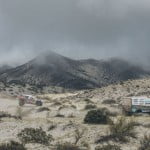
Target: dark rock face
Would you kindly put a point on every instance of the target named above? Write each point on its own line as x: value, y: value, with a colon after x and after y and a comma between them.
x: 51, y: 69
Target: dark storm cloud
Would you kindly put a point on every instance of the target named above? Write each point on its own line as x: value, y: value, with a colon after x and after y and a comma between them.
x: 75, y: 28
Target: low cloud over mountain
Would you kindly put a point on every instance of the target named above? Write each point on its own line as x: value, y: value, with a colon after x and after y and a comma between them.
x: 52, y: 69
x: 75, y: 28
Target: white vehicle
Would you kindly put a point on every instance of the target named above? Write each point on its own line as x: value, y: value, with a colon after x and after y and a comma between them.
x: 29, y: 99
x: 136, y: 104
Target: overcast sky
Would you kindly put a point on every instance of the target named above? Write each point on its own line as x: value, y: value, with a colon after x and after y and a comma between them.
x: 76, y: 28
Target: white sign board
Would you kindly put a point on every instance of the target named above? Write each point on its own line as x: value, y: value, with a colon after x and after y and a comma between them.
x: 139, y: 101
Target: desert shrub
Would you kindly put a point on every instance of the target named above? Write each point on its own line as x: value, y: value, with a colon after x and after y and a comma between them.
x: 109, y: 101
x: 10, y: 90
x: 122, y: 129
x: 108, y: 112
x: 108, y: 147
x: 60, y: 115
x: 57, y: 103
x: 12, y: 146
x: 78, y: 135
x: 33, y: 88
x: 7, y: 115
x: 145, y: 143
x: 66, y: 146
x: 88, y: 101
x: 73, y: 106
x: 4, y: 114
x: 52, y: 127
x: 125, y: 112
x: 43, y: 109
x: 4, y: 89
x: 90, y: 106
x: 98, y: 116
x: 71, y: 115
x: 62, y: 107
x: 113, y: 113
x: 31, y: 135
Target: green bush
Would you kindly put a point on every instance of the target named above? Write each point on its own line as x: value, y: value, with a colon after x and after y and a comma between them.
x: 31, y: 135
x: 98, y: 116
x: 122, y: 129
x: 145, y: 143
x: 66, y: 146
x: 108, y: 147
x: 12, y: 146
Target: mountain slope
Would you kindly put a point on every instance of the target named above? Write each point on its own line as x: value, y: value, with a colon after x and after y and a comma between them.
x: 4, y: 68
x: 51, y: 69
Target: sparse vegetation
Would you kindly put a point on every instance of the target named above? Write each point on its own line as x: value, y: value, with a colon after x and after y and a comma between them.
x: 78, y: 135
x: 98, y: 116
x: 52, y: 127
x: 71, y: 115
x: 90, y: 106
x: 66, y: 146
x: 31, y: 135
x: 109, y: 101
x: 59, y: 115
x: 57, y: 103
x: 108, y: 147
x: 62, y: 107
x: 88, y: 101
x: 145, y: 143
x: 71, y: 128
x: 108, y: 112
x: 73, y: 106
x: 7, y: 115
x: 120, y: 130
x: 43, y: 109
x: 12, y: 145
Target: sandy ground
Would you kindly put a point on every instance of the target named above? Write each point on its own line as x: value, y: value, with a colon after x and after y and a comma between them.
x: 71, y: 107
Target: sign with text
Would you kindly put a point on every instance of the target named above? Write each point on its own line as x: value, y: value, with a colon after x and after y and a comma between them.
x: 141, y: 101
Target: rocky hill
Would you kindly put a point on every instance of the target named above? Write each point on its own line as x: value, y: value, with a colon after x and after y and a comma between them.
x: 51, y: 69
x: 4, y: 68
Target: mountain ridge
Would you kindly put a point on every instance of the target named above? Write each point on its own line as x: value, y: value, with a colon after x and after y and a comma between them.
x: 52, y: 69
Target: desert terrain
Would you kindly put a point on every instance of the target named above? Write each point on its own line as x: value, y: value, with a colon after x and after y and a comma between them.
x: 62, y: 116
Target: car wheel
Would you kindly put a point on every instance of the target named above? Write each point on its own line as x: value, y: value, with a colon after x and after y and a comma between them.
x: 39, y: 103
x: 21, y: 103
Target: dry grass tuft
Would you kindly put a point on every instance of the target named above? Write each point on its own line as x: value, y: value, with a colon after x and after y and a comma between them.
x: 120, y: 131
x: 145, y: 143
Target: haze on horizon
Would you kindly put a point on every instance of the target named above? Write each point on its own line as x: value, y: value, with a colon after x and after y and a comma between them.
x: 78, y: 29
